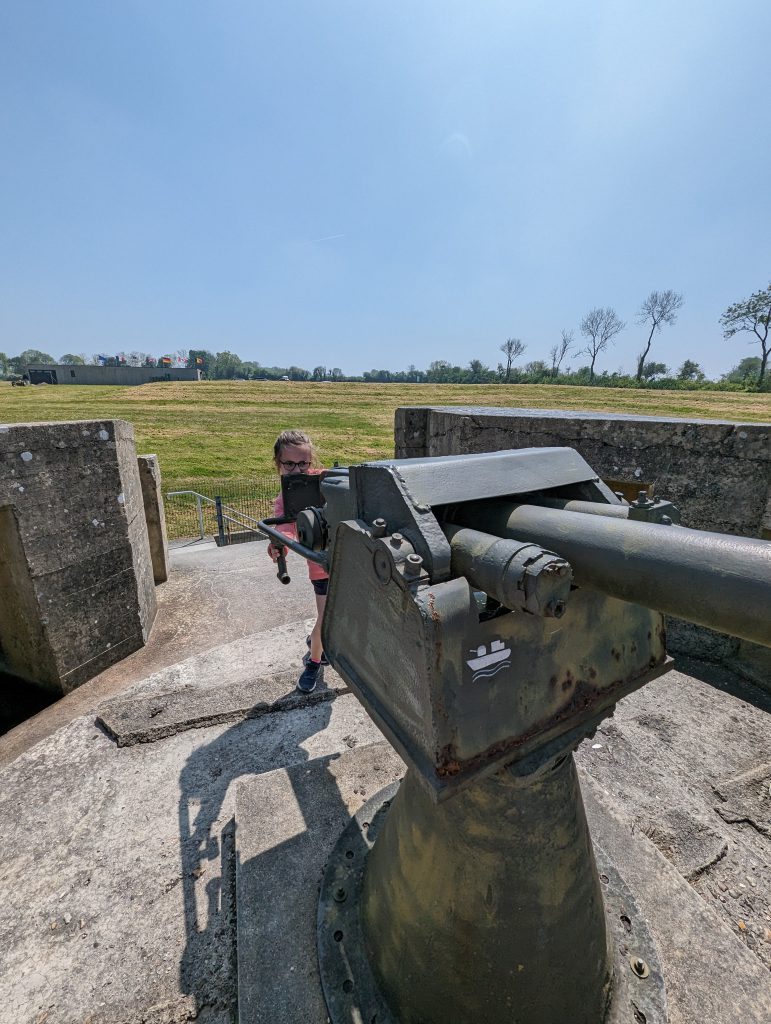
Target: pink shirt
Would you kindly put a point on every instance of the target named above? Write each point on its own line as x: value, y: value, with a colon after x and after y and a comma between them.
x: 315, y: 571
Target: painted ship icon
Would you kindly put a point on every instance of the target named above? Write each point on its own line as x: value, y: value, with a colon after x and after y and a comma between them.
x: 485, y: 664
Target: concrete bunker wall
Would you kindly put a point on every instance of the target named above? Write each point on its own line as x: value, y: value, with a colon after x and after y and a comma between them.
x: 76, y: 577
x: 717, y: 473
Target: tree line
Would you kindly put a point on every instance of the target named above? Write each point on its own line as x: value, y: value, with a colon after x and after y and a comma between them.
x: 598, y: 329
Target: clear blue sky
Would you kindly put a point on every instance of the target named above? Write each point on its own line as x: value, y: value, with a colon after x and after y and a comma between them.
x: 367, y: 185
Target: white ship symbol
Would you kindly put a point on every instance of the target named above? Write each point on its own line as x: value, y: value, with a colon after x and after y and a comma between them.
x: 486, y: 663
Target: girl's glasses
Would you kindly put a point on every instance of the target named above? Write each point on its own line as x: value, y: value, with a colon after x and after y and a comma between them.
x: 295, y: 465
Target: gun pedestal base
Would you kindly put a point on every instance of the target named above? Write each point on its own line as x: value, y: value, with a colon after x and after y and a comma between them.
x: 434, y: 912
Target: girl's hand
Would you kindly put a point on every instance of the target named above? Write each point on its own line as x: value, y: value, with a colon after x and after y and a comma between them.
x: 275, y: 552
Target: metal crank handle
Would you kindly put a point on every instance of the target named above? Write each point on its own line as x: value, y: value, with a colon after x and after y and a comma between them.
x: 282, y: 574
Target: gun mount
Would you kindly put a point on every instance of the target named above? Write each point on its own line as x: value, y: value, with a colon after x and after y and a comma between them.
x: 489, y: 611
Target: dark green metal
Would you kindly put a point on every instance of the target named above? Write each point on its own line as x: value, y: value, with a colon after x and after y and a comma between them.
x: 469, y: 905
x: 713, y: 580
x: 518, y: 576
x: 353, y: 991
x: 460, y: 694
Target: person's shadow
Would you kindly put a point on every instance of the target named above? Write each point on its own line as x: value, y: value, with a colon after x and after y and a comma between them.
x: 208, y: 968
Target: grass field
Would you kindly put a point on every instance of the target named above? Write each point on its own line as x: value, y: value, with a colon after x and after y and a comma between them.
x: 227, y: 428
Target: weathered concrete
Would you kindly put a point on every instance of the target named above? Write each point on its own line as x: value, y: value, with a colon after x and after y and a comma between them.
x: 133, y: 376
x: 214, y: 615
x: 146, y: 719
x: 152, y: 498
x: 75, y: 569
x: 717, y: 473
x: 118, y: 863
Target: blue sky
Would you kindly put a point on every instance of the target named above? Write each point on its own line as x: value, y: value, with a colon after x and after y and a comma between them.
x: 369, y: 185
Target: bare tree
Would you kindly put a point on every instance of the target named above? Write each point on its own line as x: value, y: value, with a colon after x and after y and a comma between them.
x: 511, y: 348
x: 599, y: 327
x: 558, y: 352
x: 752, y: 314
x: 659, y: 308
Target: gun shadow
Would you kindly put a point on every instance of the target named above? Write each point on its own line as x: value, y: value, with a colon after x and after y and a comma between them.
x: 208, y: 967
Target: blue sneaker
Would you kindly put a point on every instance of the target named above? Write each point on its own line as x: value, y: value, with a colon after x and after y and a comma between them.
x: 323, y: 656
x: 310, y: 676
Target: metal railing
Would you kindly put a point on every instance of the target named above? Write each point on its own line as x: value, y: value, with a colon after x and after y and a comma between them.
x: 191, y: 506
x: 247, y: 528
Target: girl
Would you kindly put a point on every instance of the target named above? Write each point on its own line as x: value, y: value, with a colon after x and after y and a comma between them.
x: 293, y: 452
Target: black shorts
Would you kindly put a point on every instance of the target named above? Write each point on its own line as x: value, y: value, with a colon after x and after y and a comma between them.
x: 321, y: 587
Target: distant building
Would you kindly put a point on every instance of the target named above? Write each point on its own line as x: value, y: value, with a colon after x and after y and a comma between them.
x: 50, y: 373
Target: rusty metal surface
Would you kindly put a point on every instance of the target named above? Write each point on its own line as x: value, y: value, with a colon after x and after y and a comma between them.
x: 458, y: 694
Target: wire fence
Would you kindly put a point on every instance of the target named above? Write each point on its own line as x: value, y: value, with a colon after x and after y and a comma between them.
x: 190, y: 503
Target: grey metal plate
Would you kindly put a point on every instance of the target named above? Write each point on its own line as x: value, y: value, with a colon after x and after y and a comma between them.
x: 453, y: 478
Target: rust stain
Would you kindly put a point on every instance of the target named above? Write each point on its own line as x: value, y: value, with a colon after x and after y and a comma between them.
x: 581, y: 704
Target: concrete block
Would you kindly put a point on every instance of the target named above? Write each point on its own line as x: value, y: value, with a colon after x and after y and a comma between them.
x: 75, y: 565
x: 148, y: 718
x: 152, y: 497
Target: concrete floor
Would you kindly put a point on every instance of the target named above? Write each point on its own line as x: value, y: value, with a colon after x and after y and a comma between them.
x: 118, y: 863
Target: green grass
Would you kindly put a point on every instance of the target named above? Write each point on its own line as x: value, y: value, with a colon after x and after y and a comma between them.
x: 227, y: 428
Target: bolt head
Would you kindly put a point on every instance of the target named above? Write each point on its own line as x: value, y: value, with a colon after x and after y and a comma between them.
x: 412, y: 564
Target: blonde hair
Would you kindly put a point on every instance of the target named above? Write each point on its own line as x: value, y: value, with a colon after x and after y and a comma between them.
x: 296, y: 437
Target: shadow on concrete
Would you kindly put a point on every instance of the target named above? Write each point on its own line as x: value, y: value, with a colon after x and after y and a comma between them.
x: 208, y: 969
x: 20, y: 700
x: 288, y: 823
x: 722, y: 678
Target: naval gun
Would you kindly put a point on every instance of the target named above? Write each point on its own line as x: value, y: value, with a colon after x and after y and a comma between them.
x: 489, y: 611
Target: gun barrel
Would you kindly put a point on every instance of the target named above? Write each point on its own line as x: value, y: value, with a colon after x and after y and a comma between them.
x: 722, y: 582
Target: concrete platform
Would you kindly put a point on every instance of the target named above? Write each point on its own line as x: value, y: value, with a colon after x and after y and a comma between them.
x: 118, y: 863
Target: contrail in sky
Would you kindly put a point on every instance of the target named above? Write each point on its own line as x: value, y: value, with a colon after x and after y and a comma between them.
x: 327, y: 238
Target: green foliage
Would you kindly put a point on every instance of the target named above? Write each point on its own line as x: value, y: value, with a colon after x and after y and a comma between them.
x: 659, y: 308
x: 18, y: 364
x: 652, y: 370
x: 70, y: 359
x: 599, y: 326
x: 201, y: 359
x: 745, y: 372
x: 690, y: 371
x: 226, y: 366
x: 752, y: 315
